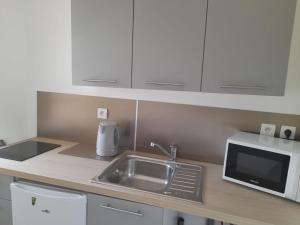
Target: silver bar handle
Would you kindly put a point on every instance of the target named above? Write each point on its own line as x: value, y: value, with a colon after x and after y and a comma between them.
x: 101, y: 81
x: 109, y: 207
x: 243, y: 87
x: 163, y: 83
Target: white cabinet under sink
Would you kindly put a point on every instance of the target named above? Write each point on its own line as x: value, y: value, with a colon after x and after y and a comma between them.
x: 110, y: 211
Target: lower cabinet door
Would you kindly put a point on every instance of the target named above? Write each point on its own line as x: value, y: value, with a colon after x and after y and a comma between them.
x: 5, y: 181
x: 5, y: 212
x: 110, y: 211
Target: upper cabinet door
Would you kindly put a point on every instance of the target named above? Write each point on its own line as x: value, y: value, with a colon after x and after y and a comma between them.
x: 247, y: 46
x: 168, y: 44
x: 102, y: 42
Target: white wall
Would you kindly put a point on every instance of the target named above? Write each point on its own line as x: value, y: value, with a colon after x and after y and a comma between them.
x: 14, y: 80
x: 51, y: 53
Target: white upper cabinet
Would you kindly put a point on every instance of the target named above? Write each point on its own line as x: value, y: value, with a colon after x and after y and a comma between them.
x: 247, y: 46
x: 218, y: 46
x: 102, y: 42
x: 168, y: 44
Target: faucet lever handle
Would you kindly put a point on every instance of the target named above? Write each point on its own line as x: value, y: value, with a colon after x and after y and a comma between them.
x: 173, y: 147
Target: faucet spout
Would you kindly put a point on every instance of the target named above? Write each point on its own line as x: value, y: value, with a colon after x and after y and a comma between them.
x: 170, y: 153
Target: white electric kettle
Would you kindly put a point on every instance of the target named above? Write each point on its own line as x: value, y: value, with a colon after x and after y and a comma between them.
x: 108, y: 139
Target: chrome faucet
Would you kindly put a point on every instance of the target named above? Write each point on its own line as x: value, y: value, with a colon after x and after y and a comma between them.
x: 170, y: 153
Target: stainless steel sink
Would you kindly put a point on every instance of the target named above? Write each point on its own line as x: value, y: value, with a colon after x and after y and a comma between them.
x: 157, y: 176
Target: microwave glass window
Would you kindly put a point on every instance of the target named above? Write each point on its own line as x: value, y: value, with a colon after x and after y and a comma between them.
x: 260, y: 167
x: 257, y: 167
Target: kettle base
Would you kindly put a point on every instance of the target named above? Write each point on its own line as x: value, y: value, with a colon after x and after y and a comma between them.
x: 107, y: 153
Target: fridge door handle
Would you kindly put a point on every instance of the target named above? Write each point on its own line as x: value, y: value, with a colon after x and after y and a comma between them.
x: 46, y: 211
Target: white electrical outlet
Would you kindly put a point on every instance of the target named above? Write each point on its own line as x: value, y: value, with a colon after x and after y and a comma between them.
x: 286, y: 128
x: 267, y: 129
x: 102, y: 113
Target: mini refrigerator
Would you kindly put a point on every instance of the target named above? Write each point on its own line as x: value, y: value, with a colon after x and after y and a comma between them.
x: 39, y: 205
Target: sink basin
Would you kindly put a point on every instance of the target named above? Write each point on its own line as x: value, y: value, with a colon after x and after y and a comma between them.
x: 139, y: 173
x: 157, y: 176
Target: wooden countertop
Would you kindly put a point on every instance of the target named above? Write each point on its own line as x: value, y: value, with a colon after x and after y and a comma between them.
x: 221, y: 200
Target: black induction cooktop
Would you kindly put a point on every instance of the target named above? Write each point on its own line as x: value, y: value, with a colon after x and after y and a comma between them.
x: 26, y: 150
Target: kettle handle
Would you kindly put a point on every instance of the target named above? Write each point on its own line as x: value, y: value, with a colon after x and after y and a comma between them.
x: 117, y: 137
x: 102, y: 129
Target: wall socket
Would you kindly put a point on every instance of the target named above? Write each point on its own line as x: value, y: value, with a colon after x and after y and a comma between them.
x: 102, y: 113
x: 288, y: 130
x: 267, y: 129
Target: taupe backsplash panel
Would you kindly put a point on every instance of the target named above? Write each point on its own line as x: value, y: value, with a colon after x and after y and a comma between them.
x: 74, y: 117
x: 200, y: 132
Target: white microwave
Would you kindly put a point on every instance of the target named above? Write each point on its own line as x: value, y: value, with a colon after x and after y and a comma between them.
x: 264, y: 163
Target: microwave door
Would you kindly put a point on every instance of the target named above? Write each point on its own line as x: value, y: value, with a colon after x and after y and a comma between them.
x: 257, y: 167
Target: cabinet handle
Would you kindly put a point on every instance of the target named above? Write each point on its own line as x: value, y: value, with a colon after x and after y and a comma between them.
x: 163, y: 83
x: 101, y: 81
x: 107, y: 206
x: 243, y: 87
